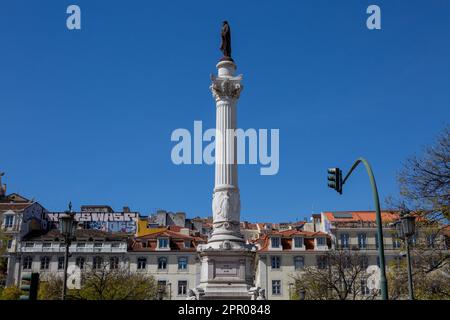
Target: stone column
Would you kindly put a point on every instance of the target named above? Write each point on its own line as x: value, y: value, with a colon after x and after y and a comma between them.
x: 226, y: 207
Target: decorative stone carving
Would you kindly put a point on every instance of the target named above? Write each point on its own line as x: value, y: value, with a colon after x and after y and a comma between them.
x: 191, y: 295
x: 226, y: 245
x: 226, y: 205
x: 229, y: 87
x: 261, y: 294
x: 227, y: 225
x: 257, y: 293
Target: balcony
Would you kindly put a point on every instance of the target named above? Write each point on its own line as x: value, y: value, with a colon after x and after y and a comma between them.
x: 367, y: 247
x: 74, y: 248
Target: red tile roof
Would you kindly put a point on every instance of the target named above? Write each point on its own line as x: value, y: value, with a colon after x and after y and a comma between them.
x: 366, y: 216
x: 176, y: 241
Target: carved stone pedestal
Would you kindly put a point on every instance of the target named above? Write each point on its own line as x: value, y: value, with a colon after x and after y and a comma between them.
x: 226, y: 274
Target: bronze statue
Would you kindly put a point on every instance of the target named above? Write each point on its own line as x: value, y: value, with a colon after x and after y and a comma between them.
x: 2, y: 186
x: 225, y: 46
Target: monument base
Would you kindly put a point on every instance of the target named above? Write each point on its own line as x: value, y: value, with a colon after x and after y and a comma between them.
x: 226, y: 274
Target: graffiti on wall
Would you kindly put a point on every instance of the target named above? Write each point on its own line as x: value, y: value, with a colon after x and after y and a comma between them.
x: 109, y: 222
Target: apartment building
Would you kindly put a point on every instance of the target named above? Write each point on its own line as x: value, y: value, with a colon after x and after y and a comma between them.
x: 281, y: 254
x: 169, y: 256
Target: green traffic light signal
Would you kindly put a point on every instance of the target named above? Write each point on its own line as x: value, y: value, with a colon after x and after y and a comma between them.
x: 335, y: 179
x: 29, y: 284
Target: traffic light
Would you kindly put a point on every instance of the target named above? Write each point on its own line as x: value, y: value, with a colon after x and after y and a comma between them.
x: 30, y: 284
x: 335, y: 179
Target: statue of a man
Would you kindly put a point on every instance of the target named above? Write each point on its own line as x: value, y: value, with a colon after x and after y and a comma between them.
x: 2, y: 186
x: 225, y: 46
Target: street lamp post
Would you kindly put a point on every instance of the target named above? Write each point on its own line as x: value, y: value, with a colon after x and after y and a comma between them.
x: 336, y: 182
x: 66, y: 226
x: 406, y: 227
x: 170, y: 290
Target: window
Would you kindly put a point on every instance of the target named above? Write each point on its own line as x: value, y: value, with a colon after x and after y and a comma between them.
x: 163, y: 243
x: 276, y: 287
x: 321, y: 262
x: 344, y: 240
x: 162, y: 263
x: 398, y: 262
x: 162, y: 285
x: 27, y: 262
x: 276, y: 261
x: 141, y: 263
x: 182, y: 263
x: 97, y: 262
x: 187, y: 244
x: 299, y: 262
x: 9, y: 220
x: 9, y: 243
x: 182, y: 288
x: 346, y: 261
x: 413, y: 240
x: 364, y: 289
x: 81, y: 245
x: 98, y: 246
x: 46, y: 246
x: 115, y: 245
x: 434, y: 261
x: 298, y: 242
x: 376, y: 241
x: 275, y: 242
x: 60, y: 263
x: 430, y: 240
x: 321, y: 241
x: 395, y: 242
x: 364, y: 262
x: 29, y: 244
x: 79, y: 261
x: 113, y: 263
x: 362, y: 240
x: 45, y: 263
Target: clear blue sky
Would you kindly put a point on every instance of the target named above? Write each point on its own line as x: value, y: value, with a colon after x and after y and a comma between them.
x: 87, y: 115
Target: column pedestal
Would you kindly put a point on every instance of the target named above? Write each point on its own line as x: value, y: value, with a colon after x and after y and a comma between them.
x: 226, y: 274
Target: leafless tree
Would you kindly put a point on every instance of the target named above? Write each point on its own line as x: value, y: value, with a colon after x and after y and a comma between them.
x: 430, y: 266
x: 425, y: 181
x: 100, y: 281
x: 341, y: 276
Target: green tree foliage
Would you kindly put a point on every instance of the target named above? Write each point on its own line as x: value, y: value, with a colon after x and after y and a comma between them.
x: 10, y: 293
x: 50, y: 287
x: 430, y: 268
x: 102, y: 283
x: 3, y: 261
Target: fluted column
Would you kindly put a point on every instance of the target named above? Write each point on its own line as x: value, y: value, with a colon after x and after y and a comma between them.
x: 226, y: 207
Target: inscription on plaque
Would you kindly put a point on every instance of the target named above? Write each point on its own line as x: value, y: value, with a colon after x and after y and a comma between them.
x: 226, y: 269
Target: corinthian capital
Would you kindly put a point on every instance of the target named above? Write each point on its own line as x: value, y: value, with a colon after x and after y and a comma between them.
x: 226, y: 87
